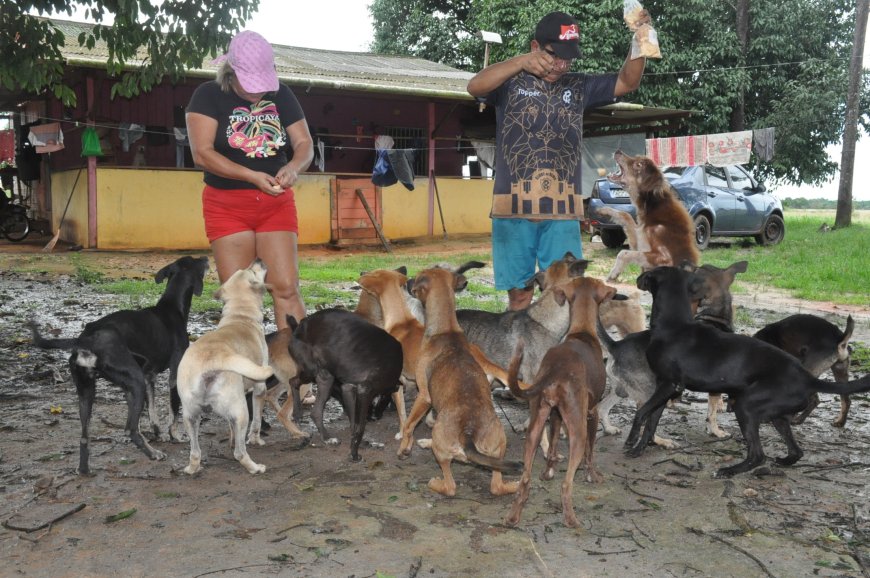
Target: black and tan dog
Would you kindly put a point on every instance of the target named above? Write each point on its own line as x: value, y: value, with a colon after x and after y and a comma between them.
x: 819, y: 345
x: 129, y: 348
x: 567, y: 388
x: 764, y: 383
x: 664, y: 234
x: 452, y: 382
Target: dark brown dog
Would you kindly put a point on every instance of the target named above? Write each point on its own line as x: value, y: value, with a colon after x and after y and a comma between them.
x: 664, y: 234
x: 567, y: 388
x: 764, y: 383
x: 452, y: 382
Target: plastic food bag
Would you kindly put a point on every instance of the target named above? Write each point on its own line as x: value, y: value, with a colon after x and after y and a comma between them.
x: 645, y: 42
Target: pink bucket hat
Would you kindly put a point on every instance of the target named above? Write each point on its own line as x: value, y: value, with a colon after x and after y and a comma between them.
x: 253, y: 62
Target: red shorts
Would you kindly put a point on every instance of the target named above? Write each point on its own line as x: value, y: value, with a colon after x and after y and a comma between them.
x: 228, y: 211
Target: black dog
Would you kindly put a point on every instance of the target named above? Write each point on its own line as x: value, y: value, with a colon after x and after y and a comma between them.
x: 129, y: 348
x: 349, y: 359
x: 765, y: 383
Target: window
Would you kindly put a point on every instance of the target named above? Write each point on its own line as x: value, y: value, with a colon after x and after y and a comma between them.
x: 739, y: 179
x: 410, y: 138
x: 716, y: 177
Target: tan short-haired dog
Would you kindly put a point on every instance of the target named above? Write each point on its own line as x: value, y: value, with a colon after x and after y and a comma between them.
x: 567, y: 388
x: 220, y: 366
x: 664, y: 234
x: 450, y: 380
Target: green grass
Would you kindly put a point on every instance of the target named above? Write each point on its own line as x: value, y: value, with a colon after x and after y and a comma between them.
x: 832, y: 266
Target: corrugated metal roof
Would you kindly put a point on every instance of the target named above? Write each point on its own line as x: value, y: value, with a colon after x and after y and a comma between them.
x: 317, y: 68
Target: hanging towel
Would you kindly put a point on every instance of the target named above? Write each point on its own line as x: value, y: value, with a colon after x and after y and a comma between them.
x: 485, y: 152
x: 320, y: 155
x: 729, y: 148
x: 7, y: 146
x: 680, y: 151
x: 763, y: 140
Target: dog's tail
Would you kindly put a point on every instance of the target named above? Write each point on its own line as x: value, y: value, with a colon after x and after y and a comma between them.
x: 241, y: 365
x: 514, y: 370
x: 491, y: 463
x: 40, y: 341
x: 843, y: 388
x: 603, y: 336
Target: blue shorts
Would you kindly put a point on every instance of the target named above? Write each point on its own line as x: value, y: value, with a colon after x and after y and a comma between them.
x: 518, y: 245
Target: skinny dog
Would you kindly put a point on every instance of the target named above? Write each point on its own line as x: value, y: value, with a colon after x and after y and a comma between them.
x: 664, y: 234
x: 221, y: 365
x: 129, y: 348
x: 764, y: 382
x: 450, y: 380
x: 567, y: 387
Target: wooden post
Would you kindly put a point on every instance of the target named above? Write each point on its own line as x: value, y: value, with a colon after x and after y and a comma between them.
x: 365, y: 204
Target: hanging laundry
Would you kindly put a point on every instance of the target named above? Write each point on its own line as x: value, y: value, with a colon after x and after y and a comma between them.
x: 46, y: 138
x: 402, y: 163
x: 181, y: 143
x: 680, y: 151
x: 729, y: 148
x: 129, y: 133
x: 320, y: 155
x: 763, y: 141
x: 7, y: 146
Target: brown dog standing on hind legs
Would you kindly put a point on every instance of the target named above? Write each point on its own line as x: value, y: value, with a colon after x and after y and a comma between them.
x: 567, y: 388
x: 450, y: 380
x: 217, y: 368
x: 664, y: 234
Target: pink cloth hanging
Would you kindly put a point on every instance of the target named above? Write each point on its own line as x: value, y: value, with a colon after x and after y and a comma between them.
x: 679, y: 151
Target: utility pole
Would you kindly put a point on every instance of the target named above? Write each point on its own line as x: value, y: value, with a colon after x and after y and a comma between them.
x: 850, y: 133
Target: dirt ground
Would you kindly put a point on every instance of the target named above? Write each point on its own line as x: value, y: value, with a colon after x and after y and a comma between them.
x: 315, y: 513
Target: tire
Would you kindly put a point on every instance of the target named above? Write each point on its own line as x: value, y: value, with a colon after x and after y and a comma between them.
x: 773, y: 231
x: 702, y: 232
x: 16, y: 226
x: 613, y: 238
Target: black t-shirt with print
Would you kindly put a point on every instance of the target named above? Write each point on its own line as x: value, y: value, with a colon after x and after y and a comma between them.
x: 540, y: 128
x: 250, y: 134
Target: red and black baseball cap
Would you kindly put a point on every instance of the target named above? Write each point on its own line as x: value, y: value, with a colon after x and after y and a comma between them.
x: 561, y: 32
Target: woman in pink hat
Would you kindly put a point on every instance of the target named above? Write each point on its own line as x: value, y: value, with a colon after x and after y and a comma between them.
x: 238, y: 125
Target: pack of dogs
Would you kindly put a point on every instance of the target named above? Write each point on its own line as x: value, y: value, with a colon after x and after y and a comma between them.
x: 406, y: 334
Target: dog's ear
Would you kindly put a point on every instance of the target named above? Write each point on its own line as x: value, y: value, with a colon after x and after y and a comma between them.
x: 739, y: 267
x: 165, y: 273
x: 559, y: 295
x: 459, y: 283
x: 469, y: 265
x: 419, y: 287
x: 645, y: 281
x: 291, y: 322
x: 621, y: 297
x: 606, y: 293
x: 403, y: 270
x: 538, y: 280
x: 568, y: 257
x: 578, y: 268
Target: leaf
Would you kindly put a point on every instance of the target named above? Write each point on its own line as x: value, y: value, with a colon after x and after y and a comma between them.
x: 651, y: 505
x: 167, y: 495
x: 380, y: 574
x: 55, y: 409
x: 280, y: 557
x: 392, y: 499
x: 120, y: 516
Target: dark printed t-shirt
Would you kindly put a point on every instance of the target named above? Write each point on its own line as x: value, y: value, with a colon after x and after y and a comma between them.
x: 250, y: 134
x: 540, y: 125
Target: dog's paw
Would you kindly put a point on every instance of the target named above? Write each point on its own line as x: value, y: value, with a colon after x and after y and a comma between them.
x: 718, y: 432
x: 257, y: 469
x: 424, y: 443
x: 158, y: 455
x: 255, y: 441
x: 191, y: 470
x: 666, y: 443
x: 332, y: 442
x: 398, y: 436
x: 612, y: 430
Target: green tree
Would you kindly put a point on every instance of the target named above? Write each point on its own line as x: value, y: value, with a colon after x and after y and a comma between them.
x: 147, y: 41
x: 747, y: 63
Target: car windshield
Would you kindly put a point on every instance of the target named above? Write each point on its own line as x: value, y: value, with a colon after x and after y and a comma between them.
x: 678, y: 175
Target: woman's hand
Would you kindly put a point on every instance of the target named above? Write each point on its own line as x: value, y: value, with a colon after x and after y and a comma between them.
x: 267, y: 183
x: 287, y: 176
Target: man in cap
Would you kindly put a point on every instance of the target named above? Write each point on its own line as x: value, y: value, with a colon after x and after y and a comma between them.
x: 537, y: 201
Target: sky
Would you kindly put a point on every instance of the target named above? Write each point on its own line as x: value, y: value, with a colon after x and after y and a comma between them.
x: 346, y: 25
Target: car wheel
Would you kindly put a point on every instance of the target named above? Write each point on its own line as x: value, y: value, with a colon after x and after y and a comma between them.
x: 702, y: 231
x: 612, y: 238
x: 773, y: 231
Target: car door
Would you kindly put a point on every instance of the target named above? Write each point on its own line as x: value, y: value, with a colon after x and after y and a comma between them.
x: 720, y: 197
x: 751, y: 206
